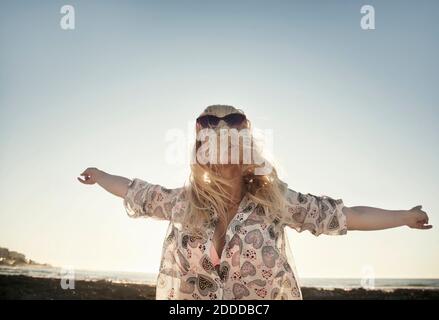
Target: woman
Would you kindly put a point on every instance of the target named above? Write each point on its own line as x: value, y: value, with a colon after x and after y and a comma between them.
x: 226, y: 238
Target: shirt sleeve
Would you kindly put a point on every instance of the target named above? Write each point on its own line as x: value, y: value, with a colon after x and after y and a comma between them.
x: 144, y: 199
x: 317, y: 214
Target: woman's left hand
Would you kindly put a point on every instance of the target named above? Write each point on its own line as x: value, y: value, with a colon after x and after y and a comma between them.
x: 417, y: 218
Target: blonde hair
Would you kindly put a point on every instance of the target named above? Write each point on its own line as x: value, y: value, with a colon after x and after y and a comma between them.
x: 207, y: 190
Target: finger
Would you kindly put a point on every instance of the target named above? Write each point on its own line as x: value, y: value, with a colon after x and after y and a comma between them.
x: 86, y: 176
x: 86, y: 181
x: 428, y: 226
x: 417, y: 207
x: 420, y: 224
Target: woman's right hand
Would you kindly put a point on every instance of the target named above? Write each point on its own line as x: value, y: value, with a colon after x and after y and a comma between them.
x: 116, y: 185
x: 91, y: 176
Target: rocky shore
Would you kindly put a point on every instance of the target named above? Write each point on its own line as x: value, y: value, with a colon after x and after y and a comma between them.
x: 23, y: 287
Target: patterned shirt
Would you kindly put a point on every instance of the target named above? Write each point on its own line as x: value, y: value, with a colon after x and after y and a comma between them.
x: 256, y: 262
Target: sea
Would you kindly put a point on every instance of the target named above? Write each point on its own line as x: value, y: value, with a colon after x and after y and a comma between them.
x: 150, y: 278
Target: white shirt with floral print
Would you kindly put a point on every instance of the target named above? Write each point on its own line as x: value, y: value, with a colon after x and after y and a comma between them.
x: 256, y: 261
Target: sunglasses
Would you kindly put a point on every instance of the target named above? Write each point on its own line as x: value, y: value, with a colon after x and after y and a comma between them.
x: 233, y: 120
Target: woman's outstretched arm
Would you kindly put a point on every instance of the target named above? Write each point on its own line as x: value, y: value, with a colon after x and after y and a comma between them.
x: 369, y: 218
x: 114, y: 184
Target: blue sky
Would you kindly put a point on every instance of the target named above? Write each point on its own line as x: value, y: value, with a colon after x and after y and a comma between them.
x: 354, y: 115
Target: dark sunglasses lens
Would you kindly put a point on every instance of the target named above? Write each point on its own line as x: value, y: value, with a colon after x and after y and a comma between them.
x: 235, y: 119
x: 208, y: 121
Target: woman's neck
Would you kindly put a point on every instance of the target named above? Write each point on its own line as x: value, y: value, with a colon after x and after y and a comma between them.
x: 236, y: 189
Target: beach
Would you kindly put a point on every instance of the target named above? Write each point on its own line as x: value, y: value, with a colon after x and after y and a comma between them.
x: 19, y: 287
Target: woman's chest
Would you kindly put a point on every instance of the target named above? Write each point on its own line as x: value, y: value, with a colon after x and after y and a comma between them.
x: 252, y: 265
x: 251, y: 244
x: 252, y: 262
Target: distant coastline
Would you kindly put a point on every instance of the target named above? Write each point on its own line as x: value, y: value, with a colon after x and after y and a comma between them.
x: 17, y: 259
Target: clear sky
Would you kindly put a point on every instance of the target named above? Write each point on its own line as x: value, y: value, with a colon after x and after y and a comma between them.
x: 354, y: 115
